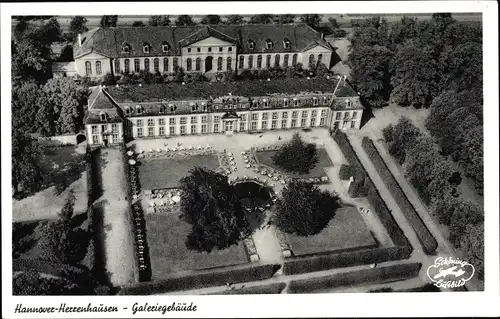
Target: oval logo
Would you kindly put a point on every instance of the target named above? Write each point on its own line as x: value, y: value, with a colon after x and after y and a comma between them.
x: 449, y: 272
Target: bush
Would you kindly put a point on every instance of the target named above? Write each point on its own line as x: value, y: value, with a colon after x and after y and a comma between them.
x: 346, y: 172
x: 339, y: 33
x: 358, y: 277
x: 302, y: 265
x: 207, y: 278
x: 275, y: 288
x: 428, y: 242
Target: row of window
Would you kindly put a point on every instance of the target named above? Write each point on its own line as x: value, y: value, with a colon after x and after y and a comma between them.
x: 104, y: 128
x: 146, y: 47
x: 111, y: 139
x: 209, y: 49
x: 208, y: 61
x: 88, y: 68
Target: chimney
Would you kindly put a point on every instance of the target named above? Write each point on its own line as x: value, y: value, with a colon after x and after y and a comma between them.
x: 79, y: 39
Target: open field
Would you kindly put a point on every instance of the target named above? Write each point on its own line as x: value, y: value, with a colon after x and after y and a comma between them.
x: 346, y: 231
x: 158, y: 173
x: 166, y: 235
x: 265, y: 157
x: 64, y: 170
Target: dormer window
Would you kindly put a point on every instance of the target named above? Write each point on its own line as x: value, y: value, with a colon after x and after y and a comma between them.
x: 347, y: 104
x: 286, y: 102
x: 125, y: 48
x: 127, y: 110
x: 172, y: 107
x: 165, y: 47
x: 315, y: 101
x: 295, y: 102
x: 325, y: 100
x: 162, y: 108
x: 145, y: 48
x: 269, y: 44
x: 266, y: 103
x: 251, y: 45
x: 287, y: 44
x: 138, y: 109
x: 104, y: 117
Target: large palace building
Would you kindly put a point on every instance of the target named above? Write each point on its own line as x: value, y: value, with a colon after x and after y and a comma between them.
x: 120, y: 113
x: 204, y: 49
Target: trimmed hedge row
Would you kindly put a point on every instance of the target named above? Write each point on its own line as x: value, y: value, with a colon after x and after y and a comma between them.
x: 302, y: 265
x: 397, y: 236
x: 346, y: 171
x: 428, y: 242
x: 364, y: 276
x: 273, y: 289
x: 207, y: 278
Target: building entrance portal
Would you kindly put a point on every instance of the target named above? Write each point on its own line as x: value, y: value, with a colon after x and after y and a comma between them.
x: 208, y: 63
x: 228, y: 127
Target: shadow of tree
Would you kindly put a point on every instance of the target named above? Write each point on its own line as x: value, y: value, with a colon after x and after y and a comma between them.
x: 367, y: 115
x: 24, y: 237
x: 78, y: 220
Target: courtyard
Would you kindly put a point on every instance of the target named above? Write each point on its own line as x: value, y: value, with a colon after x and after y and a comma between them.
x: 166, y: 233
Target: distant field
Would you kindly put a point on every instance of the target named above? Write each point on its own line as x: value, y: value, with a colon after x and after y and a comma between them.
x: 346, y: 230
x: 166, y: 235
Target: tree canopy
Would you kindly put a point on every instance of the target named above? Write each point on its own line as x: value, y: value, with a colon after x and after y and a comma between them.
x: 31, y: 283
x: 311, y: 19
x: 261, y: 19
x: 109, y: 21
x: 138, y: 23
x: 235, y: 19
x: 211, y: 19
x: 296, y: 156
x: 213, y: 209
x: 78, y: 24
x: 284, y: 18
x: 304, y: 209
x: 27, y: 171
x: 159, y: 20
x: 184, y: 20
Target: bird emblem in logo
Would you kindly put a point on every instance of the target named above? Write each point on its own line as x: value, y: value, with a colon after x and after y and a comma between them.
x: 450, y: 272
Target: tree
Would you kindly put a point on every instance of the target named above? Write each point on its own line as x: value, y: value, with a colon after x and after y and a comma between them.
x: 68, y: 207
x: 31, y: 283
x: 211, y: 19
x: 235, y: 19
x: 78, y: 25
x: 473, y: 243
x: 261, y: 19
x: 108, y: 21
x: 416, y: 77
x: 59, y: 243
x: 304, y: 209
x: 284, y: 18
x: 61, y: 107
x: 213, y: 209
x: 371, y: 73
x: 296, y: 156
x: 334, y: 25
x: 311, y: 19
x: 159, y: 20
x: 184, y: 20
x: 26, y: 157
x: 25, y: 106
x: 403, y: 135
x: 138, y: 23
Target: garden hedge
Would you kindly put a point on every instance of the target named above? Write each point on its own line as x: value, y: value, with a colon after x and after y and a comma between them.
x: 300, y: 265
x: 364, y: 276
x: 346, y: 171
x: 202, y: 279
x: 428, y: 242
x: 275, y: 288
x: 397, y: 236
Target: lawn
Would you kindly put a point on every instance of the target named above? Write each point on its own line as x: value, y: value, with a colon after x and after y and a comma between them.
x: 159, y: 173
x: 346, y: 231
x: 64, y: 169
x: 166, y: 234
x: 265, y: 157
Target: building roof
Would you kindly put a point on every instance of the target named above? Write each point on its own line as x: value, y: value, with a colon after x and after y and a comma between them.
x: 101, y: 103
x: 109, y: 41
x: 213, y: 90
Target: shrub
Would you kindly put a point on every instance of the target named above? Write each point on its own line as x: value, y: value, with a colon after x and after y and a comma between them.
x: 339, y: 33
x: 108, y: 79
x: 207, y: 278
x: 302, y: 265
x: 428, y: 242
x: 275, y: 288
x: 346, y: 171
x: 364, y: 276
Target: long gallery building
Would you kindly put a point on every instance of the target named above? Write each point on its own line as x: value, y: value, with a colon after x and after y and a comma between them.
x: 119, y: 113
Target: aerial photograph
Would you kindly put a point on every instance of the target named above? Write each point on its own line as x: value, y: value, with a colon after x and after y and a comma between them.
x: 247, y: 154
